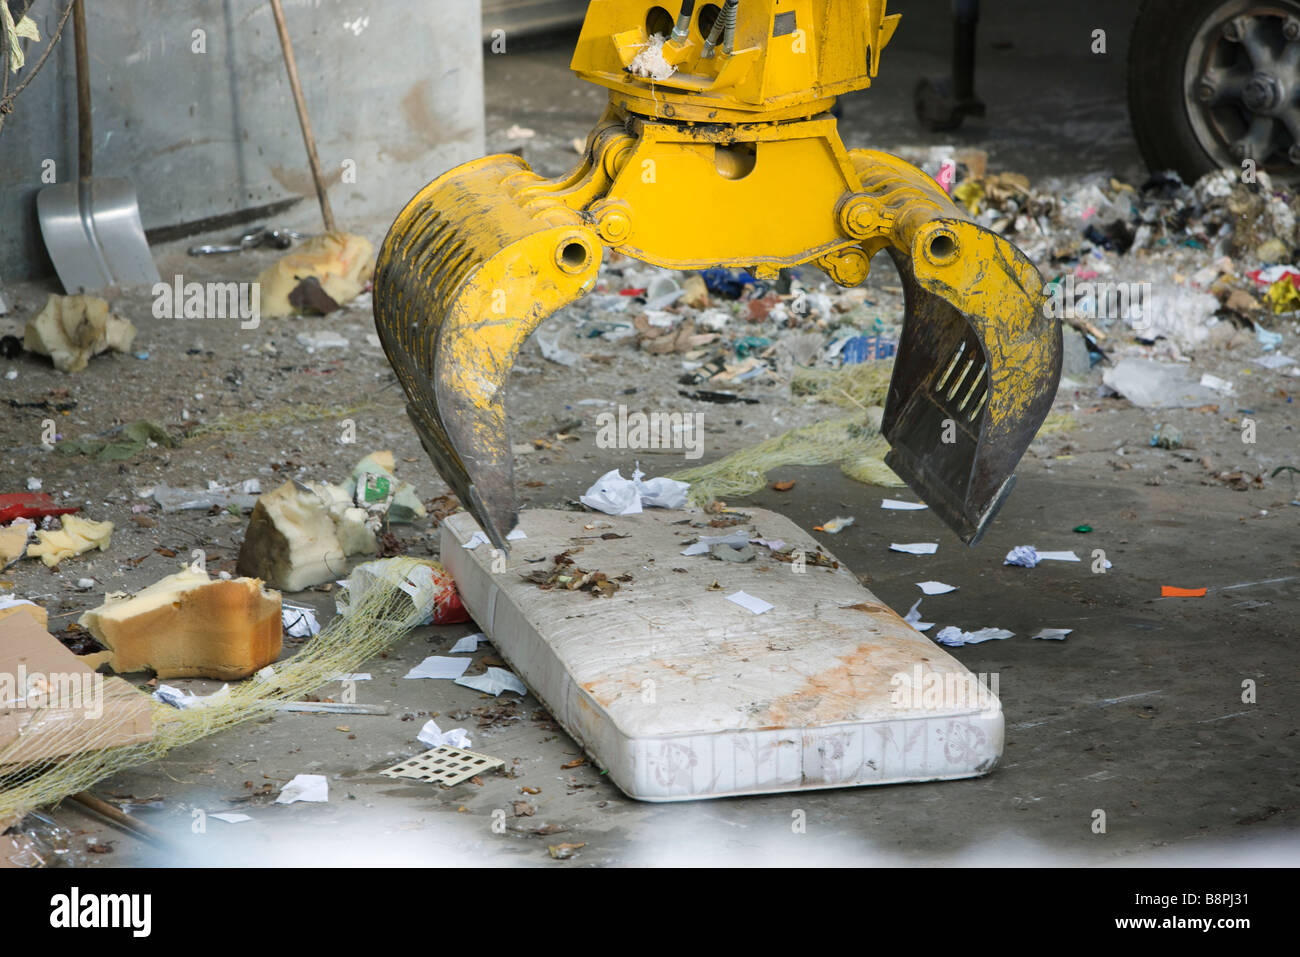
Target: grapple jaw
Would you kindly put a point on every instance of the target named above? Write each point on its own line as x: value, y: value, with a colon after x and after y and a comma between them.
x: 469, y: 269
x: 977, y: 368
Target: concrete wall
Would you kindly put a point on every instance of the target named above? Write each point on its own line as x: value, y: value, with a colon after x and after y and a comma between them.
x: 395, y: 87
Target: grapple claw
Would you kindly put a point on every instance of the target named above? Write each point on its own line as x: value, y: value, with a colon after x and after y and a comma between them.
x: 469, y: 269
x: 733, y: 159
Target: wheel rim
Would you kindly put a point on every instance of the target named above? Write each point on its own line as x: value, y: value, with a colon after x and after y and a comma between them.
x: 1241, y: 84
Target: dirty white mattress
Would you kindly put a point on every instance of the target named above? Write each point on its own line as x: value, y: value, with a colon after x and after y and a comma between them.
x: 681, y: 694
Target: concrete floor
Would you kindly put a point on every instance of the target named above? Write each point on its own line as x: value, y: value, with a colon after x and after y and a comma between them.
x: 1139, y: 713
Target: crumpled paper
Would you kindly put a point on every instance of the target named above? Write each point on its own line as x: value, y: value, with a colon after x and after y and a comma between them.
x: 494, y: 681
x: 434, y: 737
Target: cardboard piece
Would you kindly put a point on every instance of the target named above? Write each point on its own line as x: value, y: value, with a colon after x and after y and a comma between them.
x: 53, y: 705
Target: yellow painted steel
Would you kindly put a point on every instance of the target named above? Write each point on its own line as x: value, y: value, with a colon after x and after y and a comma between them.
x: 731, y: 160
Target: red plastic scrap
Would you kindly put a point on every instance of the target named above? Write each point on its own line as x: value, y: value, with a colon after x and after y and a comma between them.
x: 30, y: 505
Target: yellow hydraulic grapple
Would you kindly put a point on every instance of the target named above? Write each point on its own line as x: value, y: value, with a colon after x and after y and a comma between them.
x: 717, y: 148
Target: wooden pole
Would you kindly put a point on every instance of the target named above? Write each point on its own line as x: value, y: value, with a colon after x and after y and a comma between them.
x: 304, y: 120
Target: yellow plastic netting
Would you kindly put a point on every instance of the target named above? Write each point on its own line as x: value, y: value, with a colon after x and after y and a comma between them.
x: 853, y: 442
x: 276, y: 418
x: 378, y: 617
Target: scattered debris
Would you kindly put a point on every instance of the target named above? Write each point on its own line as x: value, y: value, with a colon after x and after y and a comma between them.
x: 900, y: 506
x: 439, y: 666
x: 954, y: 637
x: 835, y: 525
x: 301, y: 534
x: 70, y: 330
x: 750, y: 603
x: 1053, y: 634
x: 341, y: 263
x: 445, y: 765
x: 431, y: 736
x: 915, y: 548
x: 935, y: 588
x: 615, y: 495
x: 305, y: 787
x: 188, y: 625
x: 495, y: 681
x: 1172, y: 591
x: 76, y: 536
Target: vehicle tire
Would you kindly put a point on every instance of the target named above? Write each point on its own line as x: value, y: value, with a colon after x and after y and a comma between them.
x: 1212, y: 83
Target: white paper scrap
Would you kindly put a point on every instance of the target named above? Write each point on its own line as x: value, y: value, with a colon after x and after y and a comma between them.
x: 231, y: 817
x: 935, y: 588
x: 915, y: 548
x: 1023, y: 555
x: 468, y: 643
x: 1053, y: 634
x: 475, y: 540
x: 900, y: 506
x: 1274, y: 361
x: 516, y: 535
x: 750, y: 603
x: 438, y: 666
x: 305, y: 787
x: 353, y: 676
x: 494, y: 681
x: 954, y: 637
x: 913, y: 618
x: 1057, y: 557
x: 434, y: 737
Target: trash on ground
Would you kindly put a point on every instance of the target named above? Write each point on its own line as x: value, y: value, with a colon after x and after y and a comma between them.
x: 10, y: 605
x: 615, y: 495
x: 439, y: 666
x: 494, y: 681
x: 188, y: 625
x: 1027, y: 556
x: 33, y: 505
x: 13, y: 540
x: 467, y: 643
x: 900, y: 506
x: 1157, y: 385
x: 1053, y: 634
x: 305, y: 787
x: 70, y: 330
x: 300, y: 535
x: 913, y: 617
x: 431, y: 736
x: 231, y: 817
x: 299, y: 621
x: 935, y: 588
x: 242, y: 496
x: 954, y: 637
x: 184, y: 700
x: 342, y: 263
x: 1173, y: 591
x: 75, y: 537
x: 915, y: 548
x: 445, y: 765
x: 750, y: 603
x: 431, y: 591
x: 835, y: 525
x: 44, y: 719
